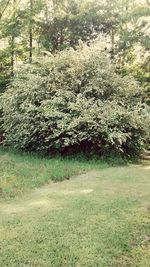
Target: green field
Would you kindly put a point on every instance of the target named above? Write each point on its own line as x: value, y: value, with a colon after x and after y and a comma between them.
x: 98, y: 218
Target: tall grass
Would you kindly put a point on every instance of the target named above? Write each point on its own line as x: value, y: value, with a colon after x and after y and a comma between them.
x: 20, y: 172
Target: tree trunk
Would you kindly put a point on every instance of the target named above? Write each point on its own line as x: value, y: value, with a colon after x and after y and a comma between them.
x: 30, y: 32
x: 3, y: 11
x: 61, y: 35
x: 112, y: 42
x: 12, y: 54
x: 12, y: 44
x: 148, y: 2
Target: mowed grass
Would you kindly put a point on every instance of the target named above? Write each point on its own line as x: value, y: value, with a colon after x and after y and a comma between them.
x: 96, y: 219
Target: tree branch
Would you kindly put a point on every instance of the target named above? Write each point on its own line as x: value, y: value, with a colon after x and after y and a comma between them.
x: 148, y: 2
x: 1, y: 14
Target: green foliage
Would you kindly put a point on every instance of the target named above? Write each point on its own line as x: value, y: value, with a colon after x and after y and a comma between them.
x: 56, y: 25
x: 71, y: 21
x: 75, y: 101
x: 141, y: 74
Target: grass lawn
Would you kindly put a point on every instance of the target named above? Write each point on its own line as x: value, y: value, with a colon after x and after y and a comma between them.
x: 96, y: 219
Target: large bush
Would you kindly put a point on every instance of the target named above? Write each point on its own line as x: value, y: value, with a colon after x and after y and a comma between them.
x: 75, y: 101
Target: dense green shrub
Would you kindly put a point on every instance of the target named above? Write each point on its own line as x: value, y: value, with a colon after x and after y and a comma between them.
x: 75, y: 101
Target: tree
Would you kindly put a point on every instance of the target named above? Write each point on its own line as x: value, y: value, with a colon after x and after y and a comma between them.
x: 43, y: 26
x: 30, y: 31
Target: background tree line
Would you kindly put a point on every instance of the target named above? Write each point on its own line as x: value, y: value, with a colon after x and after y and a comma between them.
x: 31, y: 28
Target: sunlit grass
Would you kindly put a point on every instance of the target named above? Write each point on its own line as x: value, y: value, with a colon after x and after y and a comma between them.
x: 99, y: 219
x: 96, y: 219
